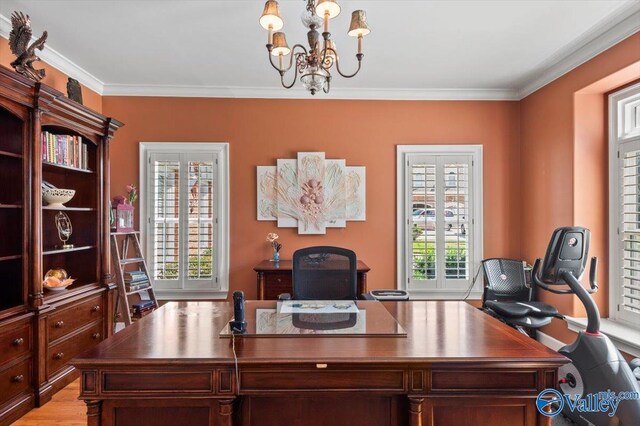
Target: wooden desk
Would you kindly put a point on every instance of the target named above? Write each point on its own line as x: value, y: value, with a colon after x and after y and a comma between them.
x: 275, y: 278
x: 456, y: 366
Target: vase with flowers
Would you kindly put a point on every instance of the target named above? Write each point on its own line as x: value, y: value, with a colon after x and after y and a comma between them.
x: 132, y: 193
x: 272, y: 238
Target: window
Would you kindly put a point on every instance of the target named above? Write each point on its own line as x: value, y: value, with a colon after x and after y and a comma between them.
x: 439, y: 219
x: 184, y: 218
x: 624, y: 204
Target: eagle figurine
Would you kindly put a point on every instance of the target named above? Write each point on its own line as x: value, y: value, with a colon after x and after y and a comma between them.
x: 19, y: 39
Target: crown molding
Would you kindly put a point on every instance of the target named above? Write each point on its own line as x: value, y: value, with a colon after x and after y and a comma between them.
x: 607, y: 33
x: 455, y: 94
x: 618, y: 26
x: 59, y: 61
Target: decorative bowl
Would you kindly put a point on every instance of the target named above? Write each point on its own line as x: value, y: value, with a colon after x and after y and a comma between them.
x: 56, y: 280
x: 56, y: 197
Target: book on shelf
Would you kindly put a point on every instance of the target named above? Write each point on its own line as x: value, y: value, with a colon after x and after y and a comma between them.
x: 135, y: 276
x: 65, y: 150
x: 143, y: 306
x: 137, y: 286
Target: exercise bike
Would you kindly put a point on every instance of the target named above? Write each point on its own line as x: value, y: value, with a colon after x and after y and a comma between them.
x: 596, y: 365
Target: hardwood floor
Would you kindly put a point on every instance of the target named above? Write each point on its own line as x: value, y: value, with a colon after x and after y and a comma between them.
x: 64, y: 409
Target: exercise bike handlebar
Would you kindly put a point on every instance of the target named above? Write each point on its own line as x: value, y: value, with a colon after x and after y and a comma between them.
x: 574, y: 286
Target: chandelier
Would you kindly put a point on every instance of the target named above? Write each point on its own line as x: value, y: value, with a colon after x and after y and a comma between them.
x: 314, y: 65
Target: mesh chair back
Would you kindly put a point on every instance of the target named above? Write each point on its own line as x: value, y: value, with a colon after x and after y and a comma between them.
x: 324, y: 273
x: 505, y: 280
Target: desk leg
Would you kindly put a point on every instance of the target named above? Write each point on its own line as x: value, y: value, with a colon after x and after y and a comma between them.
x: 261, y: 285
x: 415, y: 411
x: 94, y: 407
x: 225, y: 415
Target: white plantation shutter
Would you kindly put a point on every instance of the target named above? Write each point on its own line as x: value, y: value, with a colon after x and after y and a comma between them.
x: 625, y: 205
x: 165, y: 217
x: 183, y: 221
x: 439, y: 233
x: 630, y: 209
x: 201, y: 227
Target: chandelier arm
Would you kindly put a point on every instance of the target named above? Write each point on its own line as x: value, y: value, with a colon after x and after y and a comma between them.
x: 290, y: 58
x: 359, y: 56
x: 295, y: 75
x: 327, y: 86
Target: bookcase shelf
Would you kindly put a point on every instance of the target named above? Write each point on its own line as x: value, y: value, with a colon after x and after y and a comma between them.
x: 14, y: 257
x: 62, y: 166
x: 10, y: 154
x: 70, y: 250
x: 70, y: 209
x: 28, y: 248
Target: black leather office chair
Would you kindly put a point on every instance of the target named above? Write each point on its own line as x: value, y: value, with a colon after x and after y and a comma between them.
x: 324, y: 273
x: 507, y: 296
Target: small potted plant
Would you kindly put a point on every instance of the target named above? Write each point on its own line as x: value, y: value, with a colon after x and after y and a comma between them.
x: 272, y: 238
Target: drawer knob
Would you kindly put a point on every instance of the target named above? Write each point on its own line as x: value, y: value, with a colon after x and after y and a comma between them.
x: 58, y: 324
x: 96, y: 336
x: 279, y: 280
x: 17, y: 379
x: 59, y: 355
x: 18, y: 342
x: 95, y: 308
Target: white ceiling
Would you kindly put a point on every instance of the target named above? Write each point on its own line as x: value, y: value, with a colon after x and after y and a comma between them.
x: 417, y: 49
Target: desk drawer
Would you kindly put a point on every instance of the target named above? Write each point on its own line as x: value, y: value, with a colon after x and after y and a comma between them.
x: 322, y: 380
x: 277, y: 283
x: 15, y: 380
x: 74, y: 316
x: 15, y: 340
x: 60, y: 354
x: 485, y: 380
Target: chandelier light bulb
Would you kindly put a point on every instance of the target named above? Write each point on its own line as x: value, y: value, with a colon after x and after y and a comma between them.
x: 271, y: 19
x: 359, y: 26
x: 329, y: 6
x: 280, y: 46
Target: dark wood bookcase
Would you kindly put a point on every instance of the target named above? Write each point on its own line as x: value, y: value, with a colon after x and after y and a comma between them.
x: 41, y: 330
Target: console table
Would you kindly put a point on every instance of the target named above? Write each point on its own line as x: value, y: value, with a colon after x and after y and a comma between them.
x: 274, y: 278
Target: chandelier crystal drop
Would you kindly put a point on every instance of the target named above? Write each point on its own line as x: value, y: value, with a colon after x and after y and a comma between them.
x: 315, y: 63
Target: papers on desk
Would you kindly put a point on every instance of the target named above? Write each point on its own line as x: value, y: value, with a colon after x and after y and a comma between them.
x: 317, y: 307
x: 270, y: 322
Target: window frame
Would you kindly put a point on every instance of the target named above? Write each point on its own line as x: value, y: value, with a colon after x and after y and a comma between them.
x: 221, y: 153
x: 403, y: 217
x: 617, y: 140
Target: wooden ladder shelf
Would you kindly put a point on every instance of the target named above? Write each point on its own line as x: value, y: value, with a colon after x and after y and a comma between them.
x: 121, y: 242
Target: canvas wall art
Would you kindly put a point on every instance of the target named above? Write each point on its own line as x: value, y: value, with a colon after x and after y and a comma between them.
x: 311, y: 193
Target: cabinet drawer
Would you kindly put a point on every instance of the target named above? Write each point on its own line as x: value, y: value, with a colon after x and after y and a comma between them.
x: 277, y: 283
x: 15, y: 340
x: 15, y: 380
x: 74, y: 316
x: 60, y: 354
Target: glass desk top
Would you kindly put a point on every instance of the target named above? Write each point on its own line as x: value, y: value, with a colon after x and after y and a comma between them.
x: 313, y: 318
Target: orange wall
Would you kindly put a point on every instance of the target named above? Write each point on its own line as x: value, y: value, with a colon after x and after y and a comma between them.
x: 362, y: 132
x: 54, y: 78
x: 564, y: 161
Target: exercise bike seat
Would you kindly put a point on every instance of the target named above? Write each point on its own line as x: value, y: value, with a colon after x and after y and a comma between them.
x: 508, y: 297
x: 521, y: 309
